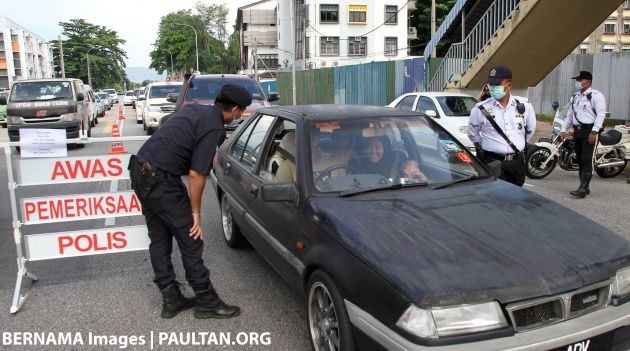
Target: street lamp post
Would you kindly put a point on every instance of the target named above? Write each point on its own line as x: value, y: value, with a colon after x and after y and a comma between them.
x: 88, y: 65
x: 172, y: 70
x: 196, y: 45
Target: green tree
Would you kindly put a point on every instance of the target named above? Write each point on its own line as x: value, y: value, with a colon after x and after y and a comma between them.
x: 209, y: 22
x: 423, y: 21
x: 233, y: 52
x: 107, y: 58
x: 146, y: 82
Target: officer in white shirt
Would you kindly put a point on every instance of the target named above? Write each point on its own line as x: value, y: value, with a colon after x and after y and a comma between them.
x: 516, y: 122
x: 587, y: 110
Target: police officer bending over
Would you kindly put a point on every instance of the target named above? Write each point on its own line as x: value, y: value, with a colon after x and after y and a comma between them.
x: 501, y: 126
x: 587, y: 109
x: 183, y: 146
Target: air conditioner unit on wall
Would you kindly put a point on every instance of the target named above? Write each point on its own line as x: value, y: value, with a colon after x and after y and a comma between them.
x: 412, y: 30
x: 358, y: 39
x: 323, y: 63
x: 335, y: 63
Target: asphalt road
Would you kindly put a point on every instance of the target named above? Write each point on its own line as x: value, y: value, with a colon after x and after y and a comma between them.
x: 114, y: 294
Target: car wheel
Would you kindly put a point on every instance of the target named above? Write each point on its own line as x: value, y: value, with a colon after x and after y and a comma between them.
x: 139, y: 121
x: 328, y: 322
x: 4, y: 125
x: 96, y: 119
x: 231, y: 232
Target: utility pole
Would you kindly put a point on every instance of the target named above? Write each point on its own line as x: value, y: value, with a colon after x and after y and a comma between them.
x: 293, y: 89
x: 433, y: 54
x: 63, y: 69
x: 256, y: 59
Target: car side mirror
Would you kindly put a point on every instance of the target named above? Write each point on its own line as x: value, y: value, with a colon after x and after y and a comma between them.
x: 141, y: 98
x: 172, y: 97
x: 3, y: 100
x: 273, y: 96
x: 80, y: 97
x: 279, y: 192
x: 431, y: 113
x: 555, y: 105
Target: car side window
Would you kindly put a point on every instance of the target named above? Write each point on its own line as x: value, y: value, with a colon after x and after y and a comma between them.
x: 406, y: 104
x: 279, y: 163
x: 248, y: 146
x: 425, y: 103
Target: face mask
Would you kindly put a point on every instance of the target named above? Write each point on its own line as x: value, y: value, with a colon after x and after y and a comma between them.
x: 578, y: 85
x: 497, y: 92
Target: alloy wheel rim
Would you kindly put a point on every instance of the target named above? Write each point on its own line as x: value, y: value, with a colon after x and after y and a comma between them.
x: 226, y: 218
x: 536, y: 160
x: 322, y: 319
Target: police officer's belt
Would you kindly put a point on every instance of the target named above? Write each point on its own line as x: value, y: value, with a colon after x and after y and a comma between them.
x: 583, y: 126
x: 503, y: 157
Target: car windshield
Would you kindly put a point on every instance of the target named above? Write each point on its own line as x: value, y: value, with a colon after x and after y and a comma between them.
x: 358, y: 155
x: 161, y: 91
x: 208, y: 88
x: 457, y: 106
x: 103, y: 95
x: 110, y: 91
x: 41, y: 91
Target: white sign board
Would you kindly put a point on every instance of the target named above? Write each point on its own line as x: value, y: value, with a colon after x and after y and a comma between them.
x: 87, y: 242
x: 79, y: 207
x: 43, y: 142
x: 73, y: 169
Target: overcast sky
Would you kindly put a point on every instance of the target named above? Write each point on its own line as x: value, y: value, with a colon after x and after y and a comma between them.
x: 136, y: 21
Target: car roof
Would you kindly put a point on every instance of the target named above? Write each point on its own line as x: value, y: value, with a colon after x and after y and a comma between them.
x: 215, y: 76
x: 48, y: 80
x: 435, y: 93
x: 328, y: 112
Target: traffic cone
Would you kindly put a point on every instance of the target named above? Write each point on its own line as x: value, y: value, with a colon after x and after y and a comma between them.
x: 117, y: 146
x: 120, y: 113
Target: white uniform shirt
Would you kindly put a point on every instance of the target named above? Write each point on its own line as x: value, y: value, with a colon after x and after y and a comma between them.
x: 513, y: 124
x: 582, y: 108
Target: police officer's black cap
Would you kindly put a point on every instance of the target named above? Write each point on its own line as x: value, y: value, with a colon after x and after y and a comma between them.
x: 234, y: 94
x: 583, y: 75
x: 497, y: 74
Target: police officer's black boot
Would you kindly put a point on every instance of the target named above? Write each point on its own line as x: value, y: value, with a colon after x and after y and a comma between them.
x: 174, y: 302
x: 209, y: 305
x: 582, y: 190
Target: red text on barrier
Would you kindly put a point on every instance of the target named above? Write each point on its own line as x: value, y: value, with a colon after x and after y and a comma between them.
x: 87, y: 169
x: 90, y: 242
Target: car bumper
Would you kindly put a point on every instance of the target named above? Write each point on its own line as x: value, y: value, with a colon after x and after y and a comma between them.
x: 545, y: 338
x: 73, y: 129
x: 152, y: 119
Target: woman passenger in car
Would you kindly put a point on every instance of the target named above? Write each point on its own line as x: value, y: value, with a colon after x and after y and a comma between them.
x: 378, y: 158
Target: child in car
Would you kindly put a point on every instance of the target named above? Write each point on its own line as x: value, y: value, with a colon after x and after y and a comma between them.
x: 411, y: 173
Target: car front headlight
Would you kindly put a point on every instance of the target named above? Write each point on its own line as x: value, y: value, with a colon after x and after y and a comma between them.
x: 14, y: 120
x: 442, y: 322
x: 621, y: 285
x: 69, y: 117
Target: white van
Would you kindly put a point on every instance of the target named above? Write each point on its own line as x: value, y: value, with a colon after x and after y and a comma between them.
x: 155, y: 105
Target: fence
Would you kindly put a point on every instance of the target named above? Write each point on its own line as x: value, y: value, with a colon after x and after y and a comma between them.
x: 611, y: 76
x: 376, y: 83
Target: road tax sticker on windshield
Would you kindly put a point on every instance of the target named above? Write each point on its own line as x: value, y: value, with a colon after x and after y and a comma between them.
x: 450, y: 145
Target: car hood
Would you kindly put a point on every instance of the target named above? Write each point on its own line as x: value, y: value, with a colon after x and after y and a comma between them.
x: 255, y: 105
x: 471, y: 243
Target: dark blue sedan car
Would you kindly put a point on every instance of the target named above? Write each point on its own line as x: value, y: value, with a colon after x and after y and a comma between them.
x: 400, y: 239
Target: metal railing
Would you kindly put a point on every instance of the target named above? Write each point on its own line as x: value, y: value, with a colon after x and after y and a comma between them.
x: 461, y: 55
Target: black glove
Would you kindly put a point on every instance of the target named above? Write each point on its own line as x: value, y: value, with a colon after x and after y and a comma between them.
x: 479, y: 151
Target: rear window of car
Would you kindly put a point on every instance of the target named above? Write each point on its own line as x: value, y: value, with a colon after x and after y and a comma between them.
x: 208, y: 89
x: 457, y: 105
x: 161, y: 91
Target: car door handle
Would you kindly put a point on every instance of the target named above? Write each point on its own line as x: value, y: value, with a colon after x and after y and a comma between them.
x: 226, y: 169
x: 253, y: 190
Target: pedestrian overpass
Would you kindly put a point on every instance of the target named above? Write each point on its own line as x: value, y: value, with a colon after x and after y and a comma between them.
x: 530, y: 36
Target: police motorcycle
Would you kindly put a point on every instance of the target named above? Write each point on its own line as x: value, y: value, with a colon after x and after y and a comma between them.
x: 611, y: 154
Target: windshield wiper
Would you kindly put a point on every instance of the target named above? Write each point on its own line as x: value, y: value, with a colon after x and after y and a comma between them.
x: 461, y: 180
x: 377, y: 188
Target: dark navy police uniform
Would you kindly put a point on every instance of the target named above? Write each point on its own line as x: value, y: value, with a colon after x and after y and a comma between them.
x: 187, y: 142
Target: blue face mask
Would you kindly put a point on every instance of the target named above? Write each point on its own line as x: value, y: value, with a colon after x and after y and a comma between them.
x: 578, y: 85
x: 497, y: 91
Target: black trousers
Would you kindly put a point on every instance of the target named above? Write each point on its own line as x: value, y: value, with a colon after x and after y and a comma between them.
x: 512, y: 171
x: 168, y: 215
x: 583, y: 150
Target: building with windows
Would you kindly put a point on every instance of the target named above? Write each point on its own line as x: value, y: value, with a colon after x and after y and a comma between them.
x: 343, y: 32
x: 611, y: 36
x: 23, y: 54
x: 257, y: 26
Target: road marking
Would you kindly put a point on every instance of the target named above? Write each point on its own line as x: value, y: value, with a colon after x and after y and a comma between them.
x: 530, y: 185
